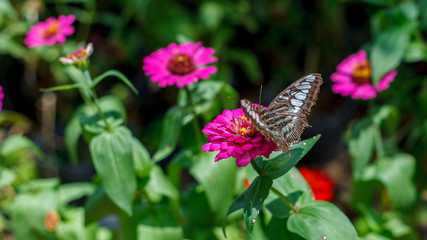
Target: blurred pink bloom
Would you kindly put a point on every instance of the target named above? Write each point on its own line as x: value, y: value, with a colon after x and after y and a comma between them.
x: 50, y: 31
x: 79, y: 58
x: 79, y: 55
x: 232, y: 134
x: 1, y: 98
x: 181, y: 64
x: 353, y: 77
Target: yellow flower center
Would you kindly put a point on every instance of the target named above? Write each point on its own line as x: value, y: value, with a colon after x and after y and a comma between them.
x: 243, y: 127
x: 81, y: 53
x: 362, y: 73
x: 51, y: 30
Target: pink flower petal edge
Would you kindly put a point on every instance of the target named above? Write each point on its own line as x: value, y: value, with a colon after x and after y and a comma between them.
x: 232, y: 134
x: 156, y: 64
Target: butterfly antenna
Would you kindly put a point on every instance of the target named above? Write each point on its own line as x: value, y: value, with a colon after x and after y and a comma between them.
x: 260, y: 93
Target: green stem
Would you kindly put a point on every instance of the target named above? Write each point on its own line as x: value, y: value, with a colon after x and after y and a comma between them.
x: 95, y: 99
x: 195, y: 121
x: 274, y: 190
x: 379, y: 143
x: 285, y: 200
x: 188, y: 92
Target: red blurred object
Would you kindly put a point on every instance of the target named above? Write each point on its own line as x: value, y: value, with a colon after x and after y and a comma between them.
x: 247, y: 183
x: 320, y: 183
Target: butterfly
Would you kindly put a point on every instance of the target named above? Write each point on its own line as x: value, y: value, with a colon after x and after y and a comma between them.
x: 286, y: 117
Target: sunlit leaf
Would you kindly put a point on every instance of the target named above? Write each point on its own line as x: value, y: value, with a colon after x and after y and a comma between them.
x: 321, y: 220
x: 6, y: 177
x: 216, y: 178
x: 112, y: 157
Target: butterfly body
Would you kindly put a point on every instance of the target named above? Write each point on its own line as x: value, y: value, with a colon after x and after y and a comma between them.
x: 286, y: 117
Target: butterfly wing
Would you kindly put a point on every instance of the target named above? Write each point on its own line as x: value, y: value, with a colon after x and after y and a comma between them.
x: 299, y: 97
x: 285, y: 119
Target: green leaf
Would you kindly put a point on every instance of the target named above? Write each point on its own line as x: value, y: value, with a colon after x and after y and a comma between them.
x: 72, y: 191
x: 158, y: 225
x: 91, y: 122
x: 237, y: 204
x: 40, y: 184
x: 294, y: 187
x: 396, y: 174
x: 380, y: 2
x: 171, y: 128
x: 71, y: 225
x: 78, y: 77
x: 388, y: 50
x: 211, y: 14
x: 111, y: 153
x: 6, y: 177
x: 16, y: 143
x: 361, y: 146
x: 281, y: 163
x: 73, y: 130
x: 141, y: 159
x: 321, y: 220
x: 64, y: 87
x: 98, y: 206
x: 216, y: 178
x: 116, y: 74
x: 423, y: 9
x: 417, y: 51
x: 159, y: 185
x: 28, y: 214
x: 208, y: 98
x: 277, y: 230
x: 255, y: 195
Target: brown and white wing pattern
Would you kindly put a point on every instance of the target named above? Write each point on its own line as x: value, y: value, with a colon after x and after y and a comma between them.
x: 285, y: 119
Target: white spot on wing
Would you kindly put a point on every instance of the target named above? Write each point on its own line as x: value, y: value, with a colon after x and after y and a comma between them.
x: 310, y: 78
x: 296, y: 102
x: 304, y: 86
x: 304, y: 90
x: 300, y: 96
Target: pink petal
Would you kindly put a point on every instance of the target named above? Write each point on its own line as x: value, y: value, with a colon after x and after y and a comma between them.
x: 386, y: 80
x: 243, y: 160
x: 344, y: 89
x: 340, y: 77
x: 364, y: 92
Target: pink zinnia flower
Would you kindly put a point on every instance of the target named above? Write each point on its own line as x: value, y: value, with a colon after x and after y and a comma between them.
x: 50, y: 31
x: 1, y: 98
x: 232, y: 134
x: 353, y: 77
x: 181, y: 64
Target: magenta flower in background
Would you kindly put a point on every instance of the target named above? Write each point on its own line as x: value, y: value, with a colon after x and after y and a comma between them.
x: 353, y: 77
x: 232, y: 134
x: 50, y: 31
x: 181, y: 64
